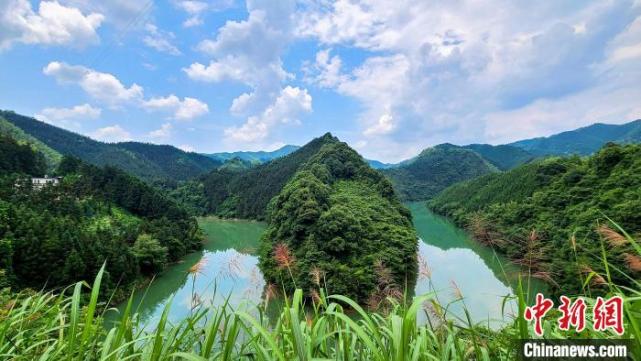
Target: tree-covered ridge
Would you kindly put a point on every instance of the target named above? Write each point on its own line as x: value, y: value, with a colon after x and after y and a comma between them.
x: 550, y: 213
x: 246, y: 193
x: 20, y: 158
x: 9, y: 130
x: 583, y: 141
x: 147, y: 161
x: 503, y: 157
x: 435, y: 169
x: 338, y: 224
x: 52, y: 236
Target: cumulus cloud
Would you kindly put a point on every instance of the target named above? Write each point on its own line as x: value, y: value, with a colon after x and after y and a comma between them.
x: 68, y: 117
x: 52, y: 24
x: 445, y: 77
x: 249, y: 52
x: 288, y: 106
x: 185, y: 109
x: 384, y: 125
x: 101, y: 86
x: 162, y: 133
x: 111, y: 134
x: 125, y: 15
x: 160, y: 40
x: 107, y: 88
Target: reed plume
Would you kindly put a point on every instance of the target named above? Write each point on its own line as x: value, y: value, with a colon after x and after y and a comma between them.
x: 613, y: 237
x: 633, y: 262
x: 283, y: 257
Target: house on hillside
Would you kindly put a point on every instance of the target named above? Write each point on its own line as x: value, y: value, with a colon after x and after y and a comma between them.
x: 39, y: 183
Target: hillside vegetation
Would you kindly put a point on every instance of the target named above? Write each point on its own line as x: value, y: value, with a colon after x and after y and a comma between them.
x: 550, y: 212
x: 258, y: 157
x: 583, y: 141
x: 148, y: 161
x: 503, y: 157
x: 339, y: 217
x: 57, y: 235
x: 435, y: 169
x: 234, y: 191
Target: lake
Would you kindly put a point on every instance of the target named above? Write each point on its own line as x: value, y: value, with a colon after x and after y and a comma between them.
x: 449, y: 261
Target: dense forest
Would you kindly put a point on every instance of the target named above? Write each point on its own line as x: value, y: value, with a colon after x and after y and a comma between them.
x: 240, y: 192
x: 550, y: 215
x: 60, y: 234
x: 339, y: 217
x: 435, y: 169
x: 155, y: 163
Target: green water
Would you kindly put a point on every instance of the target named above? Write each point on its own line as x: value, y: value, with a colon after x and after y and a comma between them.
x: 230, y: 270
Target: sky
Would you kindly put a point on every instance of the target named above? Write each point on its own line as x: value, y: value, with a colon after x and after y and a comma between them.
x: 390, y: 77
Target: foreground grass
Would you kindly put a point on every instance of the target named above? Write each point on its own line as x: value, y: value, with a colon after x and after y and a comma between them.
x: 68, y: 326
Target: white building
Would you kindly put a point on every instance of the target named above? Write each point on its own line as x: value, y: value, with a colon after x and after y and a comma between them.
x: 39, y: 183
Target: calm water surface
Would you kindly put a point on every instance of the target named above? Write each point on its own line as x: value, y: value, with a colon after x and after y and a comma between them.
x: 449, y: 260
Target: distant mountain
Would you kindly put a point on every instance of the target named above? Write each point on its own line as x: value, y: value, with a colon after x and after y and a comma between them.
x: 254, y: 157
x: 246, y: 194
x: 435, y: 169
x: 503, y: 157
x: 583, y: 141
x: 148, y: 161
x: 379, y: 165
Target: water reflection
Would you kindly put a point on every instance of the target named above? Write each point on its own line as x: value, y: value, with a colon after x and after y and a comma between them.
x: 450, y: 264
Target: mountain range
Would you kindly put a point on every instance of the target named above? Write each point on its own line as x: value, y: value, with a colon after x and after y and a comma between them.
x: 242, y: 183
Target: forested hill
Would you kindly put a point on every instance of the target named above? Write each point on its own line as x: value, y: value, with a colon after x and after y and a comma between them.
x: 147, y: 161
x: 543, y: 212
x: 503, y: 157
x: 338, y: 224
x: 583, y: 141
x: 435, y: 169
x: 246, y: 193
x: 259, y: 157
x: 63, y: 233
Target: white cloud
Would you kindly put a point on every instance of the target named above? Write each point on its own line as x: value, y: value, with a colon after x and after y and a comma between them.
x: 101, y: 86
x: 384, y: 125
x: 290, y: 104
x: 125, y: 15
x: 111, y: 134
x: 185, y: 109
x: 196, y: 9
x: 445, y: 69
x: 162, y: 133
x: 110, y: 90
x: 249, y: 52
x: 52, y: 24
x: 186, y: 148
x: 68, y: 117
x: 160, y: 40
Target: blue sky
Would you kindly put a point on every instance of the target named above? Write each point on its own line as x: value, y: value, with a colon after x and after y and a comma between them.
x: 388, y: 77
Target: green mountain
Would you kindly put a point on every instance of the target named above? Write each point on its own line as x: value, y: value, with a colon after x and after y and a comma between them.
x: 503, y: 157
x: 582, y: 141
x: 59, y: 234
x: 337, y: 217
x: 8, y: 129
x: 247, y: 193
x: 236, y: 164
x: 551, y: 214
x: 435, y: 169
x: 254, y: 157
x: 147, y: 161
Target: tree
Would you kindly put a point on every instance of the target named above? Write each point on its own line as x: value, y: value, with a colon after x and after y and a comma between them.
x: 151, y: 256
